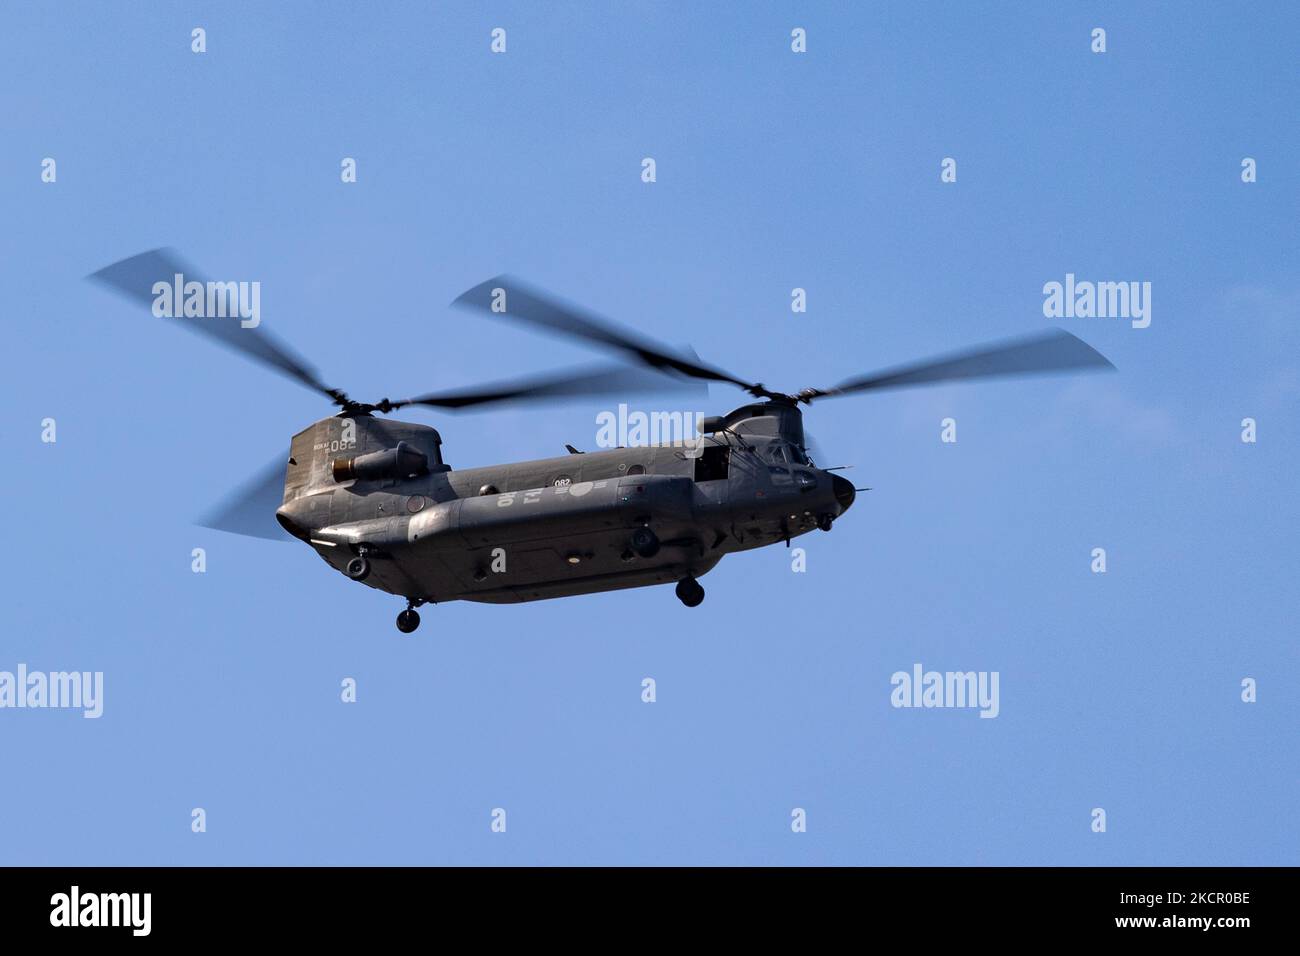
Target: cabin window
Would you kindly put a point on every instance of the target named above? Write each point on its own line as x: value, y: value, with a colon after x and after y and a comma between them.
x: 712, y: 463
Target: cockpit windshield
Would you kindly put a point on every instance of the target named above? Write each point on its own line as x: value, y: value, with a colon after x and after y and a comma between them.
x: 786, y: 453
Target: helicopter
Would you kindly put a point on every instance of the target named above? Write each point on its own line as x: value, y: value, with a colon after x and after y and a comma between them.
x: 374, y: 498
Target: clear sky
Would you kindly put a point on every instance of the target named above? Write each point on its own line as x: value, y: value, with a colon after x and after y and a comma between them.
x: 775, y: 170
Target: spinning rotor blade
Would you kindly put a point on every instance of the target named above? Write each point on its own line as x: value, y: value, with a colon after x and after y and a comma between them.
x: 615, y: 380
x: 1055, y: 351
x: 135, y: 278
x: 250, y: 510
x: 525, y: 304
x: 814, y: 449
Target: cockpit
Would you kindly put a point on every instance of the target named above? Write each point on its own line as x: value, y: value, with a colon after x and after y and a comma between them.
x: 785, y: 453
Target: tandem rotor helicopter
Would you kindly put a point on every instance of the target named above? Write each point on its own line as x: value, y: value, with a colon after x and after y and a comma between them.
x: 374, y: 498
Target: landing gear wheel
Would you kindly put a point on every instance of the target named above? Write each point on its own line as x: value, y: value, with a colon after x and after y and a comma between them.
x: 825, y: 521
x: 689, y: 592
x: 358, y: 568
x: 408, y: 621
x: 645, y: 542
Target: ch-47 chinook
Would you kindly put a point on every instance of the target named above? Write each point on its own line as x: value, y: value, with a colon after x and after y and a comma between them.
x: 374, y: 498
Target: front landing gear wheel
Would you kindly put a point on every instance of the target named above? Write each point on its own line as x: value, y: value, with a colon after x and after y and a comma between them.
x: 358, y: 568
x: 408, y: 621
x: 825, y: 522
x: 689, y: 592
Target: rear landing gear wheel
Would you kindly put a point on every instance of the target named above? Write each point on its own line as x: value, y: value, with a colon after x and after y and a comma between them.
x: 358, y: 568
x: 408, y: 621
x: 689, y: 592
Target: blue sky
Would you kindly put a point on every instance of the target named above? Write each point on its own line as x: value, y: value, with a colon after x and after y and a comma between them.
x: 775, y: 171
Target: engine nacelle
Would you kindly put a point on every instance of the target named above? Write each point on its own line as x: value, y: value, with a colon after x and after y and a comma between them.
x: 404, y: 461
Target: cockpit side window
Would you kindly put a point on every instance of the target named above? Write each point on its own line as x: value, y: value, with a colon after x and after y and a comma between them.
x: 785, y: 454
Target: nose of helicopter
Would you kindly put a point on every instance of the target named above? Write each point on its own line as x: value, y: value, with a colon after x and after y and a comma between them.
x: 844, y: 492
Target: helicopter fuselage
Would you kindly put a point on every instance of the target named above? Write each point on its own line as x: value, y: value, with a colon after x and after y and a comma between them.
x: 555, y: 527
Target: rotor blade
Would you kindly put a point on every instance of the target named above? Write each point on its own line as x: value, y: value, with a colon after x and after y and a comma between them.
x: 135, y: 278
x: 606, y: 380
x: 515, y: 300
x: 1055, y: 351
x: 250, y: 510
